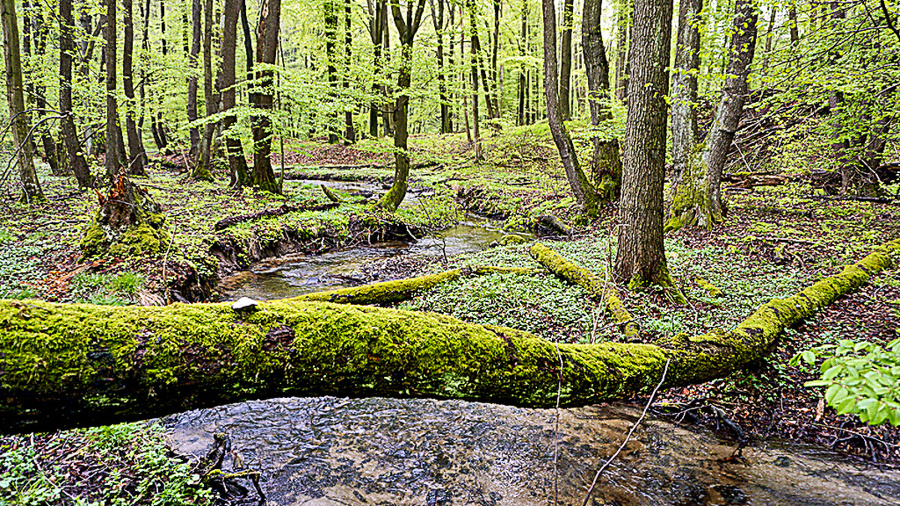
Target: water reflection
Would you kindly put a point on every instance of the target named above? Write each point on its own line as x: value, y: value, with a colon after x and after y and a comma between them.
x: 330, y: 451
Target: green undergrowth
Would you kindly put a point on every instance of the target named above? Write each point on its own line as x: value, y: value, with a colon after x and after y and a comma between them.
x: 115, y: 465
x: 105, y: 289
x: 551, y: 308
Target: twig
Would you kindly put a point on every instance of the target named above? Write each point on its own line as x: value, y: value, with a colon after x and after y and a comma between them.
x: 587, y: 497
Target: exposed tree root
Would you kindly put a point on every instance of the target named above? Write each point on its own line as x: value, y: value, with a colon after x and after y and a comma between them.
x: 63, y: 365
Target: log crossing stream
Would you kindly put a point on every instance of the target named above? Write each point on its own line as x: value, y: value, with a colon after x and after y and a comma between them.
x: 332, y: 451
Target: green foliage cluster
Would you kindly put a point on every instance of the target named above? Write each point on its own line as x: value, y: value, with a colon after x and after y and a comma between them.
x: 106, y: 289
x: 136, y: 468
x: 862, y: 378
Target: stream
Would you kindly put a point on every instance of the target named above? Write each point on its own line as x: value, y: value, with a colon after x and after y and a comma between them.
x: 375, y: 451
x: 331, y: 451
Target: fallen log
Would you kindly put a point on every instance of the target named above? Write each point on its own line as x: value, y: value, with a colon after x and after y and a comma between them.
x: 280, y: 211
x: 64, y: 365
x: 388, y: 292
x: 597, y: 289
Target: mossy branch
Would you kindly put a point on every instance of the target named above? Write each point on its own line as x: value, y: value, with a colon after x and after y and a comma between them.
x: 63, y: 365
x: 596, y: 288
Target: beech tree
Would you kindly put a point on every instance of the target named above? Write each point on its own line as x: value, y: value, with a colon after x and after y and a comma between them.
x: 407, y: 26
x: 584, y: 192
x: 76, y: 161
x: 699, y: 202
x: 15, y: 99
x: 266, y: 50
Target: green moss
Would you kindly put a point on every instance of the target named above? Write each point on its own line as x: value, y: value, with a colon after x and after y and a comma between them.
x: 711, y: 289
x: 89, y: 363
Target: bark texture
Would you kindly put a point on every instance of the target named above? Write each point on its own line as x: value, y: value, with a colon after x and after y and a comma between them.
x: 406, y: 28
x: 64, y: 365
x: 606, y: 165
x: 237, y: 164
x: 76, y: 159
x: 731, y: 105
x: 582, y: 189
x: 640, y: 256
x: 137, y: 157
x: 689, y: 203
x: 565, y: 60
x: 266, y: 50
x: 15, y: 99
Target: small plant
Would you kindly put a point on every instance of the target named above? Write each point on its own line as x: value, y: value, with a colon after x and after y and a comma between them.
x: 106, y: 289
x: 862, y: 378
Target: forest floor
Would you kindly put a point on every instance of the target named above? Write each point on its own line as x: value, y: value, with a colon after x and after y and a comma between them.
x: 776, y: 240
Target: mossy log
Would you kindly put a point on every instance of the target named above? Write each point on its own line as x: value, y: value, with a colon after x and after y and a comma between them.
x: 63, y: 365
x: 597, y: 289
x: 388, y: 292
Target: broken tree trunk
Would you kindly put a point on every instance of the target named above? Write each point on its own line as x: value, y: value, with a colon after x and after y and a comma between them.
x: 63, y: 365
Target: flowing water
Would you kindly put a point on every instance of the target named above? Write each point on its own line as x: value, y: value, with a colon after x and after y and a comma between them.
x: 331, y: 451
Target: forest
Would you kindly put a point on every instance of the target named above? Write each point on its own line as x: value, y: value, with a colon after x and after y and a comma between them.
x: 251, y: 252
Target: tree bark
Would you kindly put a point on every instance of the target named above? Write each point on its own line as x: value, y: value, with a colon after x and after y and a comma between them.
x: 196, y: 29
x: 437, y: 18
x: 137, y: 156
x: 66, y: 365
x: 606, y: 166
x: 51, y: 156
x: 349, y: 128
x: 15, y: 99
x: 376, y: 27
x: 406, y: 29
x: 623, y: 34
x: 565, y: 61
x: 237, y: 164
x: 113, y: 134
x: 76, y: 160
x: 331, y: 24
x: 202, y: 164
x: 584, y: 192
x: 523, y: 79
x: 731, y: 106
x: 689, y: 184
x: 640, y: 255
x: 473, y: 63
x: 266, y: 49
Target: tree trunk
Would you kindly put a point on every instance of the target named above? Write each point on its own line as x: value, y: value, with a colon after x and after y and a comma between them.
x: 565, y: 61
x: 606, y: 166
x: 623, y: 33
x: 792, y: 22
x: 202, y: 164
x: 349, y: 128
x: 196, y: 24
x: 689, y: 184
x: 137, y: 156
x: 266, y: 49
x: 584, y: 192
x: 523, y: 80
x: 640, y: 255
x: 437, y: 18
x: 51, y: 154
x: 406, y: 29
x: 15, y: 99
x: 76, y: 160
x: 237, y: 164
x: 66, y: 365
x: 331, y: 23
x: 112, y: 132
x: 376, y: 27
x: 473, y: 64
x: 731, y: 106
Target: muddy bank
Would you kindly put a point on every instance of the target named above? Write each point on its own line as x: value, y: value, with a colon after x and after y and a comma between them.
x: 329, y: 451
